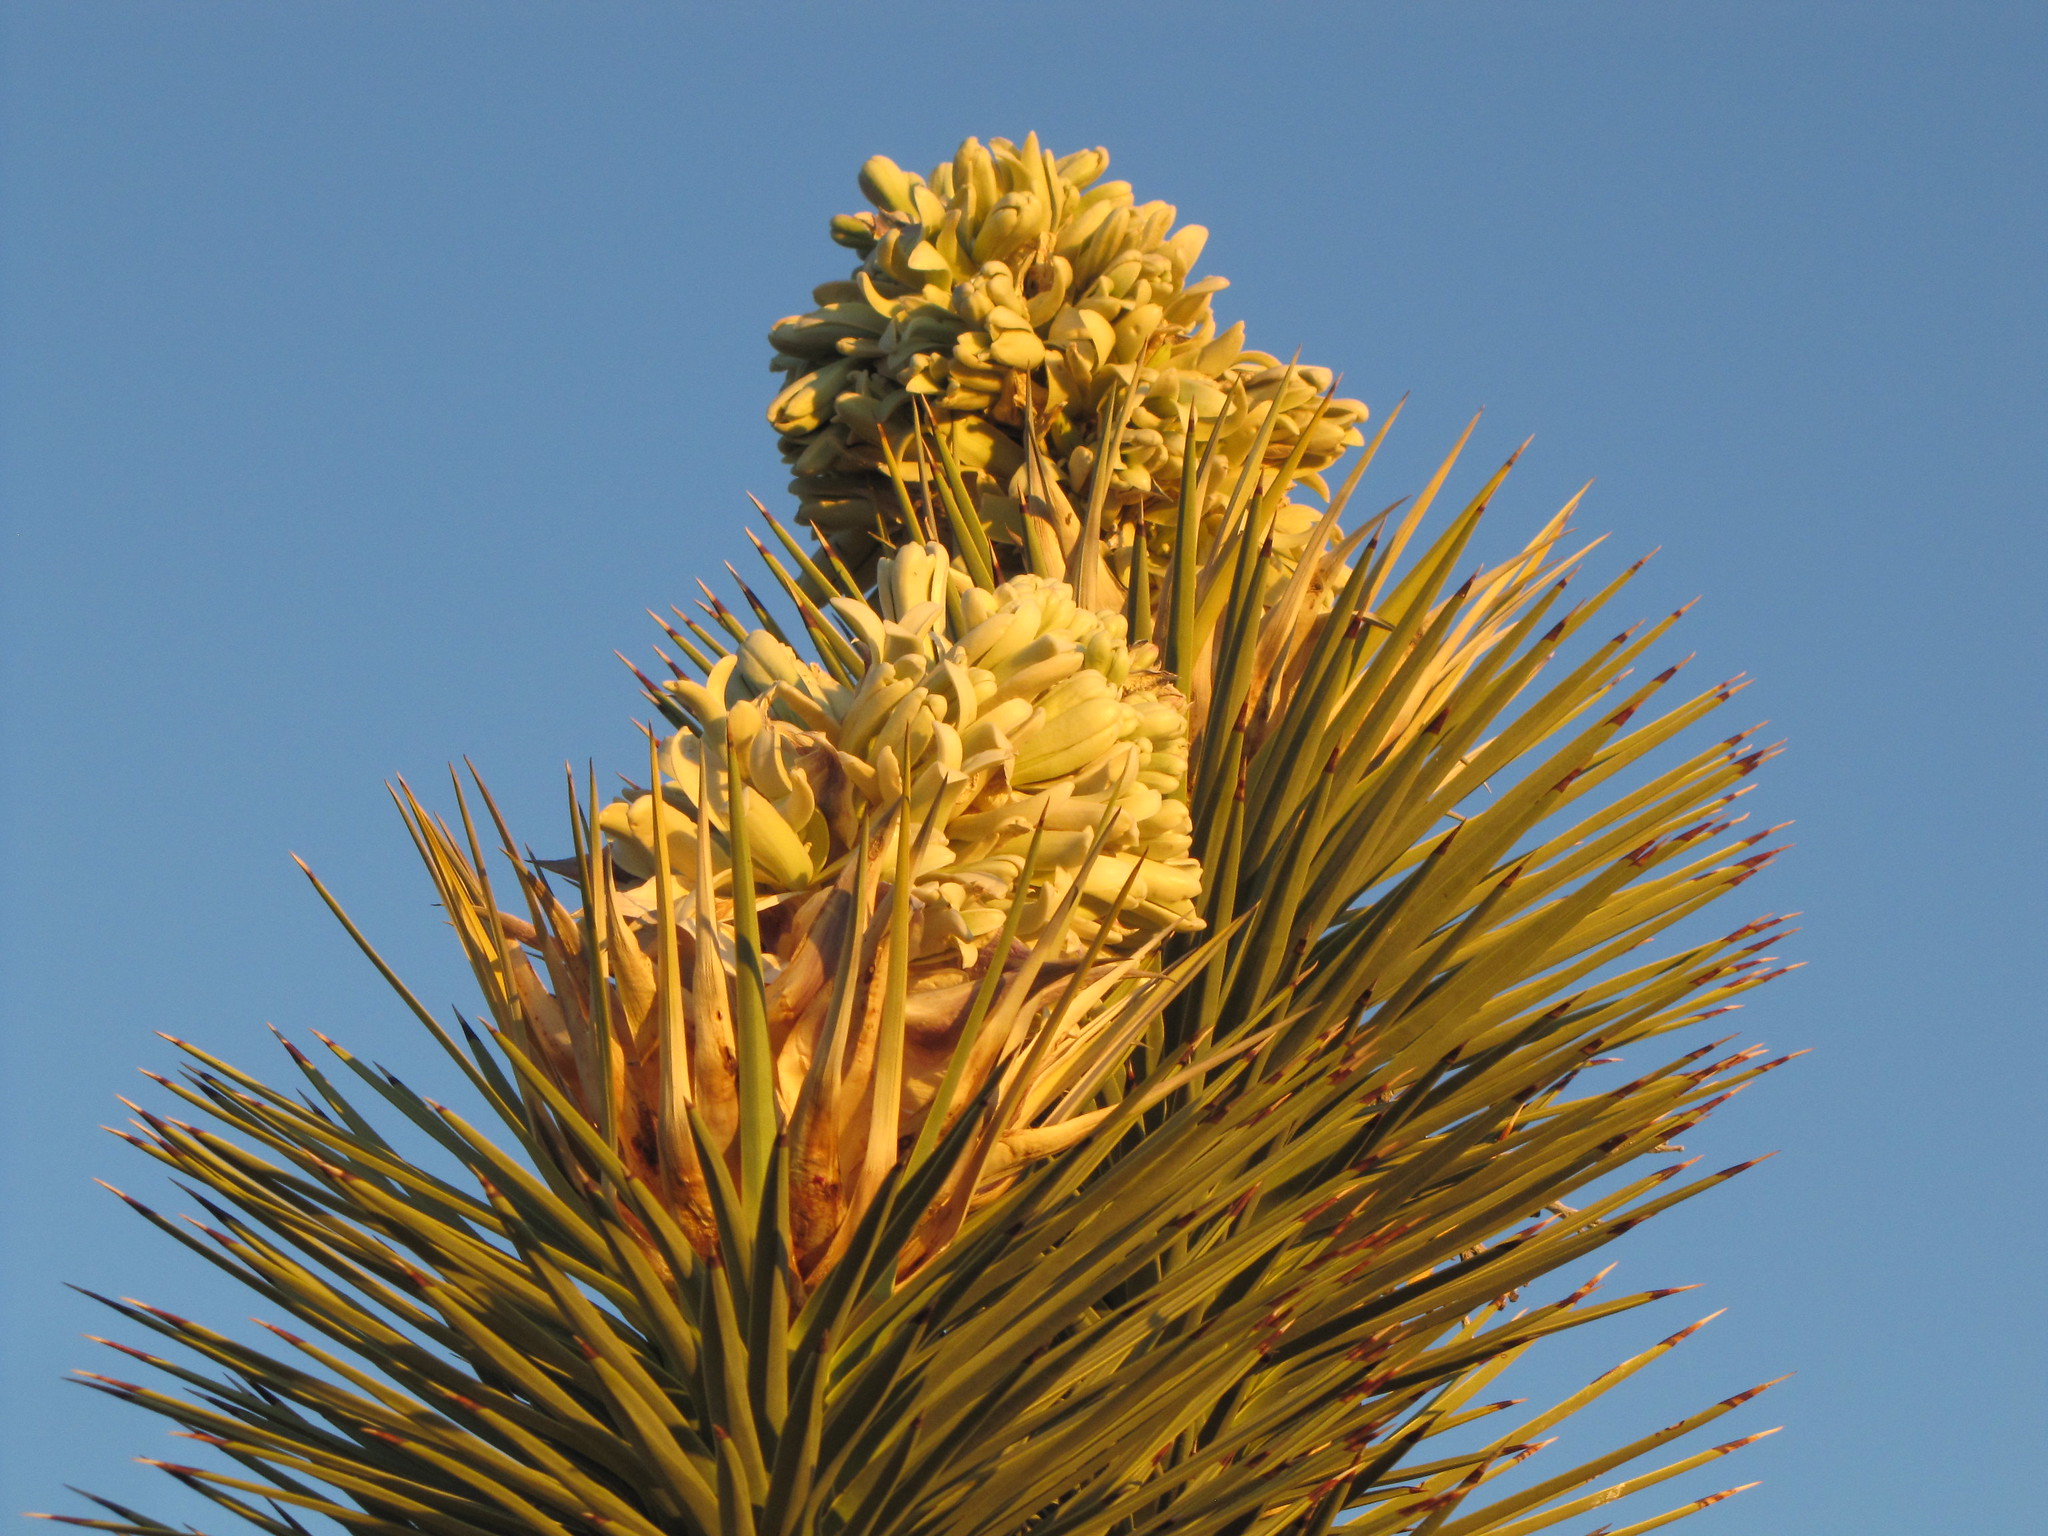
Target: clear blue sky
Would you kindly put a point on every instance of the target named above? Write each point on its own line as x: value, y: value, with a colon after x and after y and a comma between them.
x: 370, y: 367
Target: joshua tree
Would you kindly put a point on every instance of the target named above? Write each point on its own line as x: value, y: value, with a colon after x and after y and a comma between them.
x: 1081, y: 1027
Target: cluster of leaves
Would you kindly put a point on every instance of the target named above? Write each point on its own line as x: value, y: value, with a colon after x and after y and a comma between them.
x: 1335, y: 1144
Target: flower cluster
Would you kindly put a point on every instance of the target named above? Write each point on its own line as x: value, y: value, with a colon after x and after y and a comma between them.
x: 997, y: 717
x: 1019, y: 296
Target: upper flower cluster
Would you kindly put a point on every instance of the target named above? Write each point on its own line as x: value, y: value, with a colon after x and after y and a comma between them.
x: 1019, y: 296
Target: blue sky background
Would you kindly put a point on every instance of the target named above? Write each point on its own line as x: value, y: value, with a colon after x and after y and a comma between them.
x: 370, y: 367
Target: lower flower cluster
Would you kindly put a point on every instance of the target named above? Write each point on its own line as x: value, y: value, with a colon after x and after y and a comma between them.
x: 999, y: 718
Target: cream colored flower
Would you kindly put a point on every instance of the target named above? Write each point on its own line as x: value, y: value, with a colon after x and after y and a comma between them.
x: 1017, y: 294
x: 995, y: 716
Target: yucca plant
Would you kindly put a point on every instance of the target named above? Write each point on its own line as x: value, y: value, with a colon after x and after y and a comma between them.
x: 1061, y: 1041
